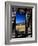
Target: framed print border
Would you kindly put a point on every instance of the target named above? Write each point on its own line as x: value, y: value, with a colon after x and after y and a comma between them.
x: 8, y: 22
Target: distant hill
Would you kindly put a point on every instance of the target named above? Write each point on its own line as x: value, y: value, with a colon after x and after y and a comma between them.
x: 20, y: 23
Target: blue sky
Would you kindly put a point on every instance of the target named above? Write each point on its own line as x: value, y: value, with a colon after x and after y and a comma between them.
x: 20, y: 18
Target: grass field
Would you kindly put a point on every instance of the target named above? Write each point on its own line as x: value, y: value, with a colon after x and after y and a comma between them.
x: 20, y: 27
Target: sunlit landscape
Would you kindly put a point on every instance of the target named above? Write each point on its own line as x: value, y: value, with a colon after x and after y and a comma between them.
x: 21, y: 22
x: 20, y: 27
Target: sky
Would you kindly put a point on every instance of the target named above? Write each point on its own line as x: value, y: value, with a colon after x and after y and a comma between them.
x: 20, y: 18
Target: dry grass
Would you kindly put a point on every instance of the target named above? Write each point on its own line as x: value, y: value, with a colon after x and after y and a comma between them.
x: 20, y: 27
